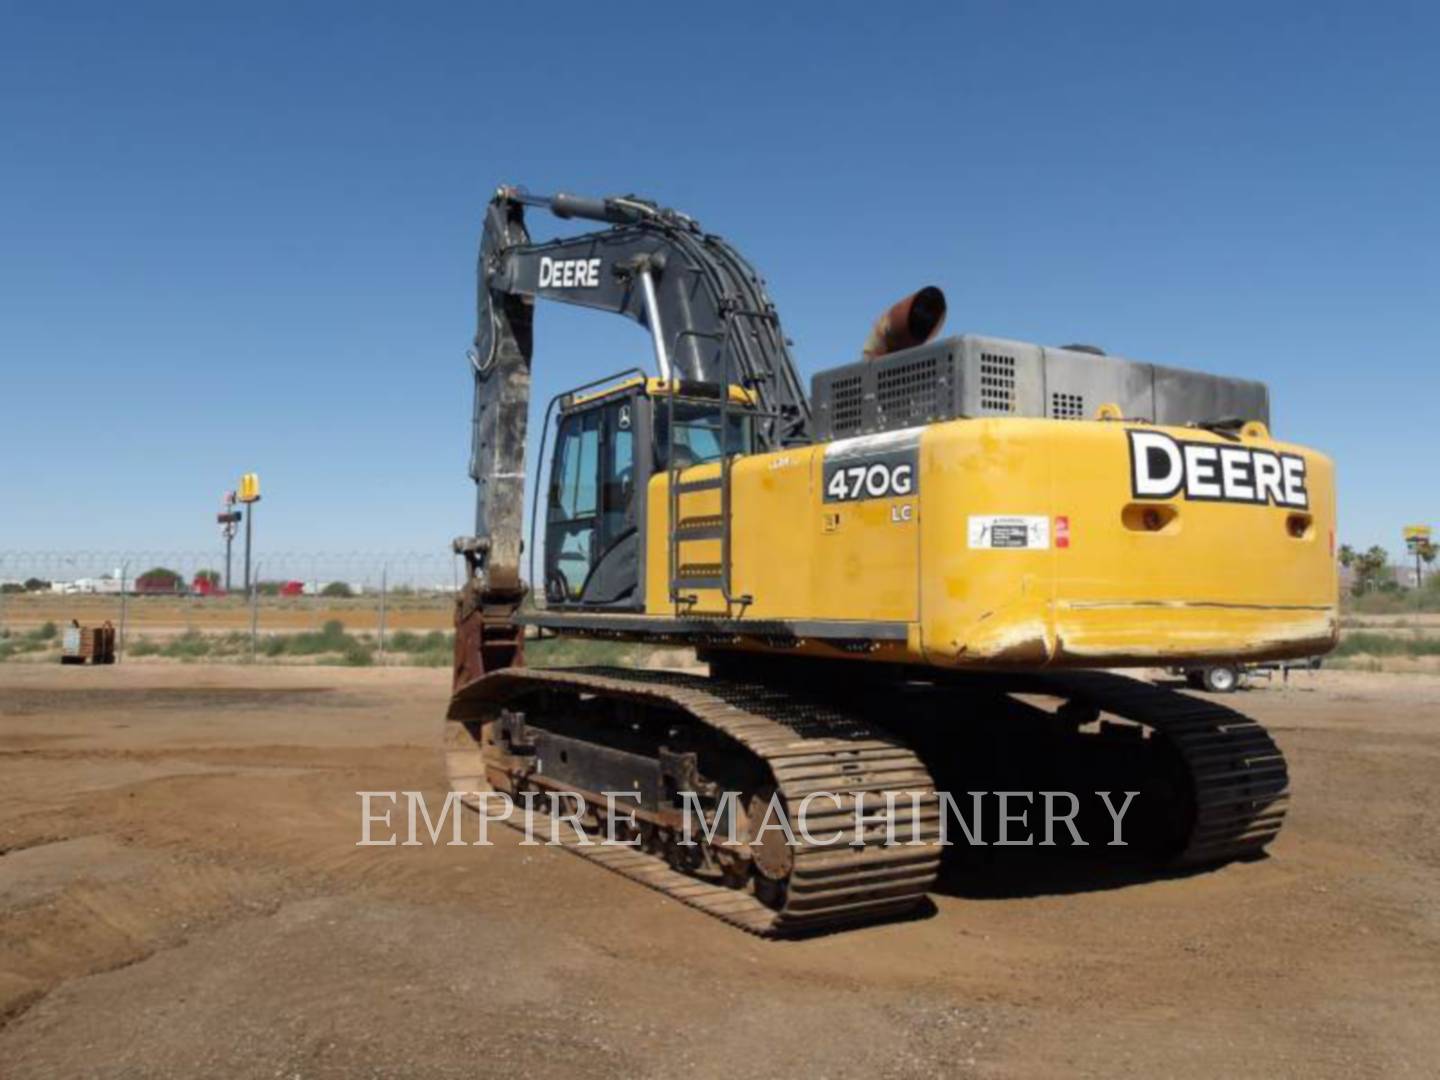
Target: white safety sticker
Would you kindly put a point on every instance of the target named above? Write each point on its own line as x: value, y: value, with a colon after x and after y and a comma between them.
x: 1010, y: 532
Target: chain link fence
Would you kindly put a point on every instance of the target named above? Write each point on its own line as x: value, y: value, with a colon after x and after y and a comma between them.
x: 362, y: 571
x: 357, y: 607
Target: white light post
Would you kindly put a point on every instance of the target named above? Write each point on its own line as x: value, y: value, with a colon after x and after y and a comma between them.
x: 124, y: 575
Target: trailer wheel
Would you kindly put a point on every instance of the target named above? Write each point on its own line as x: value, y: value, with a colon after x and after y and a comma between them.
x: 1221, y: 679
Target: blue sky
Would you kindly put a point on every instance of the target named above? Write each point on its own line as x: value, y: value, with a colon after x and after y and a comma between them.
x: 245, y: 240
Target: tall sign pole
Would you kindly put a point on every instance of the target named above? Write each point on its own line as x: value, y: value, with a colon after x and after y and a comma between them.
x: 254, y: 618
x: 1417, y: 539
x: 124, y: 591
x: 249, y: 495
x: 228, y: 519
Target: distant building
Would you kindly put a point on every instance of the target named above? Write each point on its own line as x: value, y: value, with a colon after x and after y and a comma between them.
x: 1405, y: 574
x: 153, y: 583
x: 317, y: 588
x: 106, y: 584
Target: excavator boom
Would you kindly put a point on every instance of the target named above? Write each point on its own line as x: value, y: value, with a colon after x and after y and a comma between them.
x: 709, y: 317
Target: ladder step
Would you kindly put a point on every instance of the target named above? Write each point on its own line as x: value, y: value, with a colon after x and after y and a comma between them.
x: 696, y: 583
x: 689, y: 571
x: 700, y: 532
x: 697, y: 485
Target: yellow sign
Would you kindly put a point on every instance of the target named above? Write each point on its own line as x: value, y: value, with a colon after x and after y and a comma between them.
x: 1417, y: 534
x: 250, y: 487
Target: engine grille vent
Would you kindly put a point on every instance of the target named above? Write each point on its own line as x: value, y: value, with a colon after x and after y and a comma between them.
x: 1067, y: 406
x: 909, y: 391
x: 997, y: 383
x: 847, y: 405
x: 985, y: 378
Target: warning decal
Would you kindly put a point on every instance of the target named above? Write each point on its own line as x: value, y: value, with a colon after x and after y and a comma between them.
x: 1014, y: 533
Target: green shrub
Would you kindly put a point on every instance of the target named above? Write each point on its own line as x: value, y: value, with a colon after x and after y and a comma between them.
x: 1397, y: 603
x: 231, y: 643
x: 29, y: 642
x: 402, y: 641
x: 357, y: 654
x: 407, y: 641
x: 143, y: 647
x: 329, y: 639
x: 190, y: 645
x: 1366, y: 643
x: 34, y: 640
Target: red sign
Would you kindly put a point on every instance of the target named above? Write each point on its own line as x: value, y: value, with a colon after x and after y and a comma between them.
x: 1062, y: 532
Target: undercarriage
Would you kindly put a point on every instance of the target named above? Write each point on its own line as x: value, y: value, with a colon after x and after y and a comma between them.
x: 791, y: 797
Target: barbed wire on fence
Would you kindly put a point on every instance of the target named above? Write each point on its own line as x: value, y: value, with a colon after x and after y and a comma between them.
x: 103, y: 570
x: 290, y: 613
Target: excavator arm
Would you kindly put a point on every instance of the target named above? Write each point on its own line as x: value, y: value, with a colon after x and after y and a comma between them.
x: 710, y: 321
x: 707, y: 311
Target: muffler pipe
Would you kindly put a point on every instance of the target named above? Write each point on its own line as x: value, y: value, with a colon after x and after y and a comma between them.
x: 909, y: 322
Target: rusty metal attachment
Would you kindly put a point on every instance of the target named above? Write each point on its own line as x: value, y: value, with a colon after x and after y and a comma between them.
x: 909, y: 322
x: 487, y: 637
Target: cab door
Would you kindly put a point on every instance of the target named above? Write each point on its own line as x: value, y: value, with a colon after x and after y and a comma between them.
x: 592, y: 525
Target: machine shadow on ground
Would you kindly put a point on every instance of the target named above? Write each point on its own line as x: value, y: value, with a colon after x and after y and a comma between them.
x: 1028, y: 872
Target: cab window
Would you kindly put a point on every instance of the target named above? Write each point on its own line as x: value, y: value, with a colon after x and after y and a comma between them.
x: 698, y: 436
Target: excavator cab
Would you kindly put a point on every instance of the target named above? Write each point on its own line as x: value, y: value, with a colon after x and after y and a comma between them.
x: 608, y: 444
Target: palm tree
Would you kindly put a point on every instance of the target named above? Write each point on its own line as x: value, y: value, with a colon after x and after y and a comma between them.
x: 1367, y: 569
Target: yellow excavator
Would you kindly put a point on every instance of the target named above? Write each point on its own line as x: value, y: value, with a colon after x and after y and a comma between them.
x: 912, y: 577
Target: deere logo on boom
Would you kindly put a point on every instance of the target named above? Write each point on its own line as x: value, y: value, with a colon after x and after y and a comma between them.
x: 1162, y: 467
x: 569, y: 273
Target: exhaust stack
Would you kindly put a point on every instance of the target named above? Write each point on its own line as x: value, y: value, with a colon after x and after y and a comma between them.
x: 911, y: 321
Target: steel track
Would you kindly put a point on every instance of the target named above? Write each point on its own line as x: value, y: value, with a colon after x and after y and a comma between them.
x: 808, y: 747
x: 1239, y: 779
x: 1239, y: 783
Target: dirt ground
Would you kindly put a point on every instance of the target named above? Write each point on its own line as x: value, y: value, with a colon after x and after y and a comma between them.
x: 182, y: 896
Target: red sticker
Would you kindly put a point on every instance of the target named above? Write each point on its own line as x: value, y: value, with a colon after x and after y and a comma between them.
x: 1062, y: 532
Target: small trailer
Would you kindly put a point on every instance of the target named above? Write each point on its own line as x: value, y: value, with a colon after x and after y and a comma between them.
x: 1227, y: 678
x: 93, y: 643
